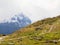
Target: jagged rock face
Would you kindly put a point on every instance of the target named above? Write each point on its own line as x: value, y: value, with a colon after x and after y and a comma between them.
x: 15, y: 23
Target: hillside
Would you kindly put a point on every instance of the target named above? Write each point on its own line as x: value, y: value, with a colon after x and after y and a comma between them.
x: 44, y: 32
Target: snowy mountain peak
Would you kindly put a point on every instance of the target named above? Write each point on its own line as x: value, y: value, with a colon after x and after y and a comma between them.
x: 14, y: 23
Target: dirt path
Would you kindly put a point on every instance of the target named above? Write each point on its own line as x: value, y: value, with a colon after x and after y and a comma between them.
x: 19, y: 37
x: 51, y: 28
x: 47, y: 31
x: 1, y: 38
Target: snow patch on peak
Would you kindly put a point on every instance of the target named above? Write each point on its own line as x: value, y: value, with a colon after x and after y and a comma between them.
x: 14, y: 23
x: 13, y: 18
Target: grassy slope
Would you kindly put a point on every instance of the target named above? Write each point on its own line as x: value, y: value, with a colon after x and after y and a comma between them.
x: 44, y: 32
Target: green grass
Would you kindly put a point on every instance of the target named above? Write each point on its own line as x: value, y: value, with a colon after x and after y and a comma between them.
x: 32, y: 34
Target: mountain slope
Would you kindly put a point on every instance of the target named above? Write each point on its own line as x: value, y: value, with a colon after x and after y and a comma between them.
x: 16, y: 22
x: 44, y: 32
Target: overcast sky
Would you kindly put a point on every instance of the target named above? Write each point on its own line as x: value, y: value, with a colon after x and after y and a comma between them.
x: 34, y: 9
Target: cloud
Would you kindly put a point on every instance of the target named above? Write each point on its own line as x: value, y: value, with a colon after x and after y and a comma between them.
x: 48, y: 4
x: 34, y: 9
x: 38, y: 9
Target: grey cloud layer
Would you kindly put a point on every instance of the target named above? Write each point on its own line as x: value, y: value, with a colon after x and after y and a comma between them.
x: 34, y: 9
